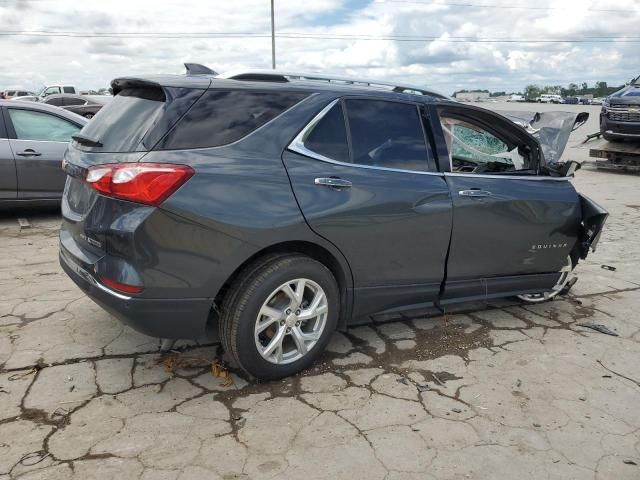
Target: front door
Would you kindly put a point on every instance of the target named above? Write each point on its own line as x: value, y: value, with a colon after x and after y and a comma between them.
x: 372, y: 190
x: 38, y: 144
x: 512, y: 229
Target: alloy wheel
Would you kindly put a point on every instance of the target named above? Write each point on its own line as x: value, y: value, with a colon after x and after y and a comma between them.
x: 291, y: 321
x: 565, y: 276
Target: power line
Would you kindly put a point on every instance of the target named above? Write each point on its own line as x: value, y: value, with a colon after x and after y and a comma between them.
x: 508, y: 7
x: 316, y: 36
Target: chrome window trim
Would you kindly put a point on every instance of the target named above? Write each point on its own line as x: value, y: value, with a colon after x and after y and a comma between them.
x: 538, y: 178
x: 297, y: 146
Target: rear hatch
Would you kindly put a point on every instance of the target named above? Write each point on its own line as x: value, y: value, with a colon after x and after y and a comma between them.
x: 125, y: 130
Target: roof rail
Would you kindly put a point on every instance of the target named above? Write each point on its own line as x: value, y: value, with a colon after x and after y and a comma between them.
x: 279, y: 76
x: 197, y: 69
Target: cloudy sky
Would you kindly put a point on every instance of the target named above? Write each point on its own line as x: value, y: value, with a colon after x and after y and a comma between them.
x: 443, y: 44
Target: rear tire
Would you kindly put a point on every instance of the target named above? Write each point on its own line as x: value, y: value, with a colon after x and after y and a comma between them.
x: 279, y: 315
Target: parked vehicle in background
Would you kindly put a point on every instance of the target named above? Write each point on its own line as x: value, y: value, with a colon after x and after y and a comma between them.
x: 57, y: 89
x: 571, y: 100
x: 27, y: 98
x: 549, y: 98
x: 620, y: 114
x: 85, y: 105
x: 9, y: 94
x: 516, y: 98
x: 33, y: 138
x: 596, y: 101
x: 283, y: 206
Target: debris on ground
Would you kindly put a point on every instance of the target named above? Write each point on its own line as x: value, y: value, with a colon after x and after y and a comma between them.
x: 220, y: 371
x: 437, y: 380
x: 175, y: 360
x: 629, y: 462
x: 24, y: 223
x: 402, y: 380
x: 456, y: 410
x: 568, y: 285
x: 19, y: 375
x: 423, y: 387
x: 608, y: 267
x: 598, y: 327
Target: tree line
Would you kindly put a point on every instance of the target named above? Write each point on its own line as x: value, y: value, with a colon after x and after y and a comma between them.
x: 600, y: 89
x: 531, y: 92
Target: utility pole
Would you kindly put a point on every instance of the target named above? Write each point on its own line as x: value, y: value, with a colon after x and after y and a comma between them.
x: 273, y: 38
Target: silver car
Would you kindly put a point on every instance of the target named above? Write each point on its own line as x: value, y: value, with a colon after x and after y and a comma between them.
x: 33, y: 139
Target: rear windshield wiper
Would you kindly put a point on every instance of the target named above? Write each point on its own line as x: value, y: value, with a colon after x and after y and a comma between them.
x: 84, y: 140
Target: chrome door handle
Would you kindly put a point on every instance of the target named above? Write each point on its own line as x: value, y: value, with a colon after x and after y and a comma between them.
x: 333, y: 182
x: 29, y: 153
x: 474, y: 193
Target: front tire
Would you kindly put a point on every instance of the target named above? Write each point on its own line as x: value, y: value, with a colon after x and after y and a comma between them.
x: 279, y: 315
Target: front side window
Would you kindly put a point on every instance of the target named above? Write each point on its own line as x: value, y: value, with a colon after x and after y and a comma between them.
x: 387, y: 134
x: 69, y: 90
x: 51, y: 91
x: 30, y: 125
x: 473, y: 149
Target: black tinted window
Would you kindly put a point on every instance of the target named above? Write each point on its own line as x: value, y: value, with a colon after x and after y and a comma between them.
x: 68, y: 90
x: 329, y: 136
x: 387, y: 134
x: 56, y: 101
x: 73, y: 101
x: 136, y: 118
x: 221, y: 117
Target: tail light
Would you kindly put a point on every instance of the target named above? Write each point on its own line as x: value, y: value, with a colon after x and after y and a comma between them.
x: 121, y: 287
x: 148, y: 183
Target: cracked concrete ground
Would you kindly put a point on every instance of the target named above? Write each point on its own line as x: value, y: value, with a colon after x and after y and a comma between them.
x: 498, y: 390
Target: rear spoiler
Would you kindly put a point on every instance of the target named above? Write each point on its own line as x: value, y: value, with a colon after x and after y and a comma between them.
x: 119, y: 84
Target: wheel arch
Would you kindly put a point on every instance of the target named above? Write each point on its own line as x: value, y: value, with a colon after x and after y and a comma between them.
x: 339, y: 269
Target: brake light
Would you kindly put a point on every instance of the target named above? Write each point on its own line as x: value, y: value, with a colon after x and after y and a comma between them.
x: 148, y: 183
x: 121, y: 287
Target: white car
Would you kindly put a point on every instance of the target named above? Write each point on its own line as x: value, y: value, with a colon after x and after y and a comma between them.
x: 550, y: 98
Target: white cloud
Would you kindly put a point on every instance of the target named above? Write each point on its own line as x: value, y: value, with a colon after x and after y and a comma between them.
x: 446, y: 63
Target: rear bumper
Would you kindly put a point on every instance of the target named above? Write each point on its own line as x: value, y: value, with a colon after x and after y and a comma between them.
x: 157, y: 317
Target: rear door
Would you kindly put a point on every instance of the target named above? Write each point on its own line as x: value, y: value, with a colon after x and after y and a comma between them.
x: 365, y: 178
x: 7, y: 165
x: 513, y: 229
x: 38, y: 140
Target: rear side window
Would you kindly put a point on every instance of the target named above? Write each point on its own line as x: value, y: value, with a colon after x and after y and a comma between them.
x: 55, y: 101
x: 329, y: 136
x: 68, y: 90
x: 387, y: 134
x: 74, y: 101
x: 222, y: 117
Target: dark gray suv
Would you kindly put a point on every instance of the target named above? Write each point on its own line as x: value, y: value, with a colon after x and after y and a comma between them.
x: 285, y: 206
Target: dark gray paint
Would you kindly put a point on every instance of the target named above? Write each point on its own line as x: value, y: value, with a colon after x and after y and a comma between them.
x: 386, y: 238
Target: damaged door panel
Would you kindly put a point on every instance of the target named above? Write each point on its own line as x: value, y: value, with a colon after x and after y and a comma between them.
x: 593, y: 219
